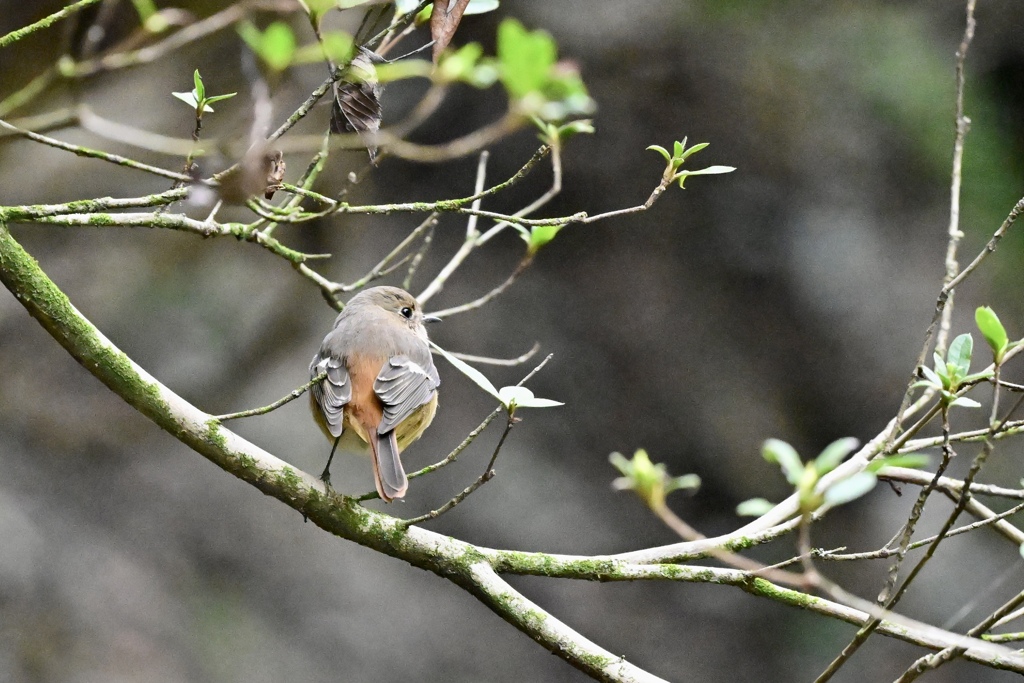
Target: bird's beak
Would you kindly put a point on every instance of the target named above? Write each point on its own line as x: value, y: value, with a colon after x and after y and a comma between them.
x: 431, y: 319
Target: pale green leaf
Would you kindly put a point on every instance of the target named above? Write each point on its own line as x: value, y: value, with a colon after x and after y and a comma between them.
x: 755, y: 507
x: 524, y: 398
x: 662, y: 151
x: 851, y: 488
x: 780, y: 452
x: 834, y: 454
x: 913, y: 460
x: 959, y: 353
x: 469, y: 371
x: 188, y: 98
x: 199, y: 89
x: 965, y: 402
x: 992, y: 330
x: 479, y: 6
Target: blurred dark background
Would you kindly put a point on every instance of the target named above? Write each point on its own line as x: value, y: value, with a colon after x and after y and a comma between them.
x: 788, y: 299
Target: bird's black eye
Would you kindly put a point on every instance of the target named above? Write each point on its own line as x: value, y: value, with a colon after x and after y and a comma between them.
x: 406, y: 312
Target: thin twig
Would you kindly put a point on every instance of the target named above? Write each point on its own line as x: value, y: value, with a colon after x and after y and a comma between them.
x: 451, y: 457
x: 468, y: 245
x: 294, y: 394
x: 771, y: 573
x: 454, y: 455
x: 95, y: 154
x: 483, y: 479
x: 420, y: 254
x: 189, y: 34
x: 489, y: 296
x: 27, y: 93
x: 506, y: 362
x: 885, y: 552
x: 951, y: 279
x: 32, y: 212
x: 549, y: 194
x: 45, y: 22
x: 962, y: 124
x: 884, y: 599
x: 384, y: 266
x: 934, y: 661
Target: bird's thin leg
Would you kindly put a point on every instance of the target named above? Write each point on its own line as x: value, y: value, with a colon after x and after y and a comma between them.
x: 325, y: 476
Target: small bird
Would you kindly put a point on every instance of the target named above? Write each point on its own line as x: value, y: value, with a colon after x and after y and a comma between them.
x: 357, y: 107
x: 381, y: 383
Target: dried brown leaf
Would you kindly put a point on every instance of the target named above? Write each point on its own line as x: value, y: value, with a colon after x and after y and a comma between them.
x: 444, y: 19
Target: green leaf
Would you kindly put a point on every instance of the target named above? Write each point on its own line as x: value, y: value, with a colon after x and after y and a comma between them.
x: 459, y: 65
x: 145, y: 9
x: 278, y: 46
x: 755, y: 507
x: 188, y: 98
x: 959, y: 354
x: 834, y: 454
x: 685, y: 482
x: 317, y: 8
x: 403, y: 70
x: 521, y: 397
x: 540, y: 235
x: 914, y: 460
x: 526, y: 58
x: 710, y: 170
x: 933, y: 377
x: 200, y: 90
x: 678, y: 149
x: 650, y: 481
x: 965, y: 402
x: 338, y: 45
x: 469, y: 371
x: 218, y: 98
x: 851, y: 488
x: 780, y: 452
x: 662, y: 151
x: 713, y: 170
x: 693, y: 150
x: 424, y: 16
x: 977, y: 376
x: 992, y: 330
x: 640, y: 475
x: 567, y: 130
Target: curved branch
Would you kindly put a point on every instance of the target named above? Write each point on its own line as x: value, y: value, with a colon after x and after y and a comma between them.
x: 549, y: 632
x: 340, y: 515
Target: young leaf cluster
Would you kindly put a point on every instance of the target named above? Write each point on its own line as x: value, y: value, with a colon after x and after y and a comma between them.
x: 650, y: 481
x: 680, y: 153
x: 197, y: 98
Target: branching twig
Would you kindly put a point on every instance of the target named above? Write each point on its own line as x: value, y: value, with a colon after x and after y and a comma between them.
x: 95, y: 154
x: 483, y: 479
x: 507, y: 362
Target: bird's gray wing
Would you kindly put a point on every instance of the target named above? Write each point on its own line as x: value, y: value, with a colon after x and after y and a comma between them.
x: 333, y: 392
x: 404, y: 385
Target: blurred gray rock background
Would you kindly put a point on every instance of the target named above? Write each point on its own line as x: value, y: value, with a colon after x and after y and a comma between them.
x: 788, y: 299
